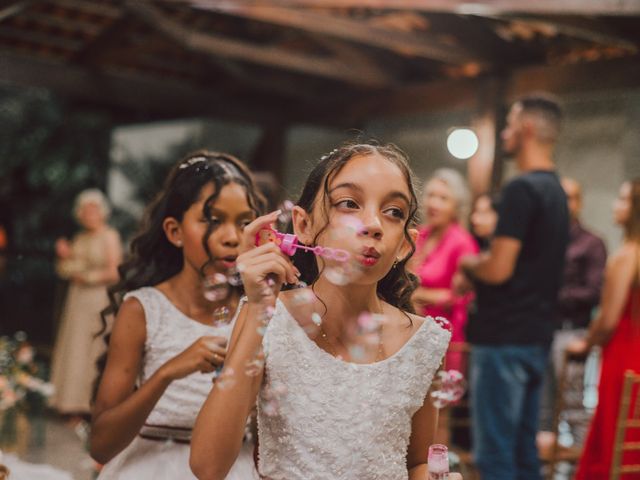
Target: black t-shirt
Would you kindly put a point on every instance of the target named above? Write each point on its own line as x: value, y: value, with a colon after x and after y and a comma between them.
x: 532, y: 209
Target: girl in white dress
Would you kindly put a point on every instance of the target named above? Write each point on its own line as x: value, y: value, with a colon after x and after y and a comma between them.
x: 323, y: 413
x: 170, y: 333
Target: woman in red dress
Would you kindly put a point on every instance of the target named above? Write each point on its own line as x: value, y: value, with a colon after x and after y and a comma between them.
x: 617, y: 330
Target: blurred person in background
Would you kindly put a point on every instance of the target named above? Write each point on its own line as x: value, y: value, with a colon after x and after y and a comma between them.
x: 90, y: 263
x: 617, y: 330
x: 440, y: 245
x: 517, y: 283
x: 483, y: 220
x: 580, y: 293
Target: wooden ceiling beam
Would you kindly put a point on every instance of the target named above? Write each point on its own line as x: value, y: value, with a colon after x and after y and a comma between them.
x: 274, y: 57
x: 419, y: 45
x: 475, y: 7
x: 457, y: 94
x: 148, y: 98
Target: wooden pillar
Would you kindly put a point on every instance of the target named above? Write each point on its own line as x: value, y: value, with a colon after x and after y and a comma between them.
x: 485, y: 168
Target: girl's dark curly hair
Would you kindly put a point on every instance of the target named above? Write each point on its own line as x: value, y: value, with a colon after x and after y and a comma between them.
x: 397, y: 285
x: 153, y: 259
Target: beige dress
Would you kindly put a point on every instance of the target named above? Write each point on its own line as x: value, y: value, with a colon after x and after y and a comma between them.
x: 73, y: 368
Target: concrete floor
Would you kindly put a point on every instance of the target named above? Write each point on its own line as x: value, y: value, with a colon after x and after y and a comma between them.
x: 58, y: 444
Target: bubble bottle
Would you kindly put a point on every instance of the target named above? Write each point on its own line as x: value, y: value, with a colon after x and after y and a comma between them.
x: 438, y: 462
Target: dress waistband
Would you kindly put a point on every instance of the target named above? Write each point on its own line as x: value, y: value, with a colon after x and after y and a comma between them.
x: 166, y: 432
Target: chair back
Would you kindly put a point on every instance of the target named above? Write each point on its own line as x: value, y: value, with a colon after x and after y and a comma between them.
x: 627, y: 440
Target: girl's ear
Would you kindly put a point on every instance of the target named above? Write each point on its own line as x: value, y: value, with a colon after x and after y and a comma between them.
x: 405, y: 249
x: 173, y: 231
x: 301, y: 222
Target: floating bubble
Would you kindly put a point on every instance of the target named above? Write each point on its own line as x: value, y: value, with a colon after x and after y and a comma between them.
x: 444, y: 323
x: 338, y: 275
x: 234, y: 277
x: 272, y: 395
x: 352, y: 224
x: 447, y: 388
x: 254, y: 367
x: 302, y: 296
x: 215, y: 287
x: 221, y: 316
x: 224, y: 378
x: 316, y: 319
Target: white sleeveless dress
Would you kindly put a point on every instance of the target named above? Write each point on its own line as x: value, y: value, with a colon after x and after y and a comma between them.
x: 152, y: 455
x: 336, y: 420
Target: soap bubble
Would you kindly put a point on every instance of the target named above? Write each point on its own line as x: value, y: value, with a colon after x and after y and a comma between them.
x: 444, y: 323
x: 447, y: 388
x: 215, y: 287
x: 224, y: 378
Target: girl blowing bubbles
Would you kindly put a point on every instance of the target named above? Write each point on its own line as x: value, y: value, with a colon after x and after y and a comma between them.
x: 167, y: 338
x: 323, y: 413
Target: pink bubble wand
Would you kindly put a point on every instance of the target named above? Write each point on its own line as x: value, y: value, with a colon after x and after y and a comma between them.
x: 289, y: 243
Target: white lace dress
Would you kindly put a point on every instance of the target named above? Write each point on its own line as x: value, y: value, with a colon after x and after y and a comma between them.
x: 333, y: 420
x: 152, y: 455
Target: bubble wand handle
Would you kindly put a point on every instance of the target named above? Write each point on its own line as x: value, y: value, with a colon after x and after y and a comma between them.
x: 288, y: 244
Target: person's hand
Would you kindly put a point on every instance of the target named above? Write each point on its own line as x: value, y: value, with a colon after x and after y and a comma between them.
x: 257, y: 264
x: 578, y: 348
x: 461, y: 284
x: 204, y: 355
x: 63, y: 248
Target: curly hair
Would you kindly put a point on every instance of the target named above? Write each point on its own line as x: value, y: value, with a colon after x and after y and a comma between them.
x: 153, y: 259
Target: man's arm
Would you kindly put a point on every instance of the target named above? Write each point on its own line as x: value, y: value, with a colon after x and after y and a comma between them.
x: 496, y: 266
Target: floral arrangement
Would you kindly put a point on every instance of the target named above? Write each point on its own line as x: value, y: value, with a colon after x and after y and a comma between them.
x: 22, y: 383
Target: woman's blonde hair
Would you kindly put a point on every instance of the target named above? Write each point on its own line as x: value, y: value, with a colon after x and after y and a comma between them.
x: 459, y: 188
x: 92, y: 195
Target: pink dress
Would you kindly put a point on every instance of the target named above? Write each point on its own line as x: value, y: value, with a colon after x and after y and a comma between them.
x: 437, y: 270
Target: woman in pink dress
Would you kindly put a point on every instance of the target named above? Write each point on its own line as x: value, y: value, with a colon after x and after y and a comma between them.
x: 439, y: 247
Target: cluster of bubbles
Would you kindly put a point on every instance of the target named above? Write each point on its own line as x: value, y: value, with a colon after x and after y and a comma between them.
x: 363, y: 342
x: 447, y: 388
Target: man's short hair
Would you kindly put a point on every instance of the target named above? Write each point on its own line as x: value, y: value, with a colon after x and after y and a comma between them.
x: 547, y: 113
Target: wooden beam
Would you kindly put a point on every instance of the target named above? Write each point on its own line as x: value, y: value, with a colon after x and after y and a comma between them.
x: 459, y: 94
x: 587, y: 29
x: 39, y: 38
x: 146, y: 98
x: 475, y: 7
x: 11, y: 9
x: 274, y: 57
x: 420, y: 45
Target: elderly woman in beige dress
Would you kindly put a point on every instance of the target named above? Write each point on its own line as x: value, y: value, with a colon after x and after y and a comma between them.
x: 90, y: 264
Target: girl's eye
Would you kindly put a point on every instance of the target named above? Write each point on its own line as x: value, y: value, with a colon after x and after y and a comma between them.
x: 214, y: 221
x: 347, y: 204
x: 396, y: 212
x: 244, y: 224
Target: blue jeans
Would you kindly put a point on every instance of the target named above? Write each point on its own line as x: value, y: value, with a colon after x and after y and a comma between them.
x: 506, y: 383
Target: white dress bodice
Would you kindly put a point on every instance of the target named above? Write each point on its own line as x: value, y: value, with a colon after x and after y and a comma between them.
x: 338, y: 420
x: 170, y: 332
x: 151, y: 455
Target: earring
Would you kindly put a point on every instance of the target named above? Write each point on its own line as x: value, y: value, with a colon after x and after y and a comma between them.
x: 395, y: 264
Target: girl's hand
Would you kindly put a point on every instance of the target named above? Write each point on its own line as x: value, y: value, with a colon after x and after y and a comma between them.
x: 204, y: 355
x: 257, y: 263
x: 63, y: 248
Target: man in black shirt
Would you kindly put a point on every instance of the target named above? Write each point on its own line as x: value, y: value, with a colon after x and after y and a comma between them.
x: 517, y: 283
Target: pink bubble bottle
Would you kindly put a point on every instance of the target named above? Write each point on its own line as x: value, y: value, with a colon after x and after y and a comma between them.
x: 438, y: 462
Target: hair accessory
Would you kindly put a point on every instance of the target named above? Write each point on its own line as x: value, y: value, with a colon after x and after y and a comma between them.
x: 332, y: 152
x: 288, y: 244
x: 191, y: 161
